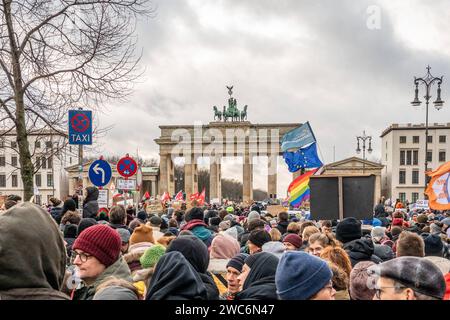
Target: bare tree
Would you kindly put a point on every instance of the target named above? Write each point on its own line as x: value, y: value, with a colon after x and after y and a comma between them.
x: 57, y: 55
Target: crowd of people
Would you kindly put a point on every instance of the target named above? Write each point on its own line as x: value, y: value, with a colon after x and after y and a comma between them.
x: 219, y: 253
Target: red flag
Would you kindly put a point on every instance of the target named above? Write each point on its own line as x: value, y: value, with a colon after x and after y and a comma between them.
x: 179, y: 196
x: 165, y: 197
x: 147, y: 195
x: 194, y: 196
x: 201, y: 197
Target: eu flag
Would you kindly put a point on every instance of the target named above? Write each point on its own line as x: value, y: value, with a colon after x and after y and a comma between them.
x: 302, y: 158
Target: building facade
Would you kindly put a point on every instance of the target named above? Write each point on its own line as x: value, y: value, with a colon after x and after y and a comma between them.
x: 403, y: 157
x: 50, y: 155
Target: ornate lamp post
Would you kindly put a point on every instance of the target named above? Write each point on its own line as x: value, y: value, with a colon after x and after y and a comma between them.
x: 427, y: 81
x: 363, y: 138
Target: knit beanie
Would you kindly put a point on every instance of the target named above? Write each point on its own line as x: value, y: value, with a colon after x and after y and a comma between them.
x: 259, y: 237
x: 102, y: 242
x: 230, y: 209
x: 358, y: 282
x: 348, y: 229
x: 84, y: 224
x: 224, y: 247
x: 376, y: 222
x: 151, y: 256
x: 293, y: 239
x: 142, y: 215
x: 378, y: 233
x: 142, y: 233
x: 237, y: 261
x: 397, y: 222
x: 252, y: 216
x: 433, y: 245
x: 70, y: 231
x: 224, y: 225
x: 301, y: 275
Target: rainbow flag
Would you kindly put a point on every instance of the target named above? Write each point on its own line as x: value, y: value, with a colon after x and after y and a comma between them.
x: 299, y: 189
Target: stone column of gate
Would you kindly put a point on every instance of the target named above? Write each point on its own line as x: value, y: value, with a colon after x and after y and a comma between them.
x: 189, y: 175
x: 171, y: 172
x: 163, y: 174
x: 248, y: 177
x: 214, y: 178
x: 272, y: 175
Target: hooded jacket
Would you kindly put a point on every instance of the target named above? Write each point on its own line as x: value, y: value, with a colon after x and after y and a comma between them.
x: 196, y: 252
x: 361, y: 250
x: 118, y: 269
x: 200, y: 230
x: 32, y: 255
x: 90, y: 204
x: 260, y: 282
x: 282, y: 226
x: 175, y: 278
x: 384, y: 252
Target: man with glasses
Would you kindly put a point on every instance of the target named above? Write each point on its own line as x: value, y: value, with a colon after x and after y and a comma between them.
x: 406, y: 278
x: 97, y: 256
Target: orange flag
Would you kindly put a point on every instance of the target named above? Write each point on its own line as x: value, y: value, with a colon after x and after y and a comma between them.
x: 438, y: 188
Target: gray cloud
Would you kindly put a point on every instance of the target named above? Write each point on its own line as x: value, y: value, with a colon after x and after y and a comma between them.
x: 290, y: 61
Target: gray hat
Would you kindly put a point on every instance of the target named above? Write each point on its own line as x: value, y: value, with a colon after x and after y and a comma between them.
x: 224, y: 225
x: 446, y: 221
x: 253, y: 215
x: 416, y: 273
x: 378, y: 232
x: 155, y: 220
x: 115, y: 293
x: 274, y: 247
x: 124, y: 235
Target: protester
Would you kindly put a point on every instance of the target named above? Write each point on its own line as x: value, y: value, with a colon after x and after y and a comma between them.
x: 84, y: 224
x: 434, y: 250
x: 256, y: 240
x: 319, y: 241
x: 96, y: 254
x: 56, y: 209
x: 301, y: 276
x: 32, y: 255
x: 196, y: 252
x: 340, y: 282
x: 338, y: 256
x: 70, y: 233
x: 407, y: 278
x: 292, y: 241
x: 234, y: 269
x: 359, y: 289
x: 410, y: 244
x: 90, y: 203
x: 118, y: 218
x: 283, y: 222
x: 307, y: 232
x: 255, y: 224
x: 293, y: 227
x: 275, y: 234
x: 257, y: 279
x: 125, y: 238
x: 175, y: 278
x: 195, y: 224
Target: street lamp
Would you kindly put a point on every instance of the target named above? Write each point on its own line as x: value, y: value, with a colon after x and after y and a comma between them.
x: 364, y: 138
x: 427, y: 81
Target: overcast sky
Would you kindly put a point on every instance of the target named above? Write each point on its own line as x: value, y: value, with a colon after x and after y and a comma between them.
x: 332, y: 63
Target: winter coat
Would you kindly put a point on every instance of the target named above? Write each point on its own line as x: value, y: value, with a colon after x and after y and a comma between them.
x: 282, y: 226
x: 200, y: 230
x: 383, y: 252
x: 218, y: 269
x: 56, y: 213
x: 175, y: 278
x: 260, y: 281
x: 120, y: 226
x: 379, y: 211
x: 118, y: 269
x: 361, y: 250
x: 69, y: 244
x: 243, y: 238
x: 32, y: 255
x: 196, y: 252
x: 90, y: 204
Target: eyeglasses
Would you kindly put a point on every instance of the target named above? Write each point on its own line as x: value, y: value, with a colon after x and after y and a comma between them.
x: 83, y: 256
x: 378, y: 290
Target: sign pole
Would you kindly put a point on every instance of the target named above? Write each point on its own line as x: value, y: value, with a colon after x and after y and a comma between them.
x: 80, y: 177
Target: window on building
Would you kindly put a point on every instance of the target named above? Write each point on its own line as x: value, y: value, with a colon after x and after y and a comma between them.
x: 430, y: 139
x: 44, y: 163
x: 14, y: 161
x: 430, y: 156
x: 38, y: 199
x: 2, y: 161
x: 38, y: 180
x: 14, y: 181
x: 402, y: 177
x: 442, y: 139
x: 416, y: 139
x: 408, y: 157
x: 415, y: 177
x: 13, y: 144
x: 49, y: 180
x: 38, y: 163
x: 70, y: 149
x: 402, y: 139
x: 50, y: 162
x: 402, y: 197
x: 2, y: 143
x: 414, y: 197
x: 37, y: 144
x: 70, y: 160
x: 415, y: 157
x: 441, y: 156
x: 402, y: 157
x: 48, y: 144
x: 2, y: 181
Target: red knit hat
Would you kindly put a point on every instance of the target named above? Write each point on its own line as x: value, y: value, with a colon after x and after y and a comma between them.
x: 293, y: 239
x: 101, y: 241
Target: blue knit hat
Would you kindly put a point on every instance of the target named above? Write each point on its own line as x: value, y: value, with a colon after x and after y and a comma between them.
x: 301, y: 275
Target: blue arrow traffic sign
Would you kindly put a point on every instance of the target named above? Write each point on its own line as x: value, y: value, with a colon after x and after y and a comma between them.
x: 100, y: 173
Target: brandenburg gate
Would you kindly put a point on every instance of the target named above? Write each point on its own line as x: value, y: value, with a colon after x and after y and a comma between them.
x: 231, y: 136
